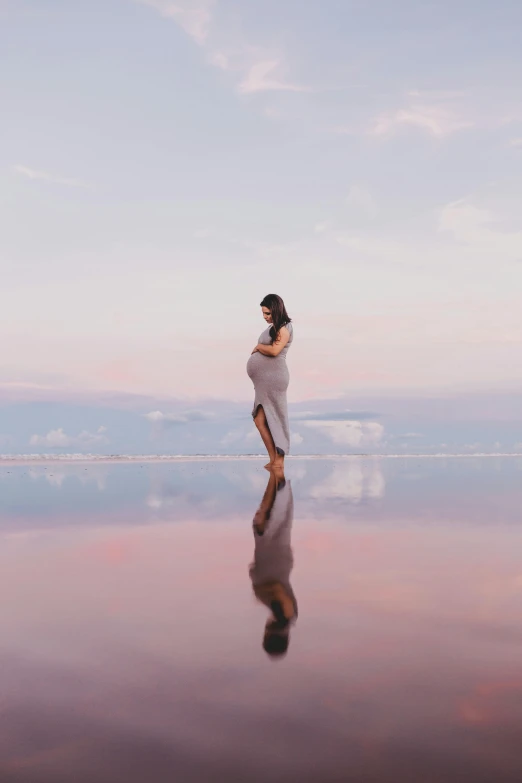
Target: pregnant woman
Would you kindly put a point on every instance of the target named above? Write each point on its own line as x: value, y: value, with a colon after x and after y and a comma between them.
x: 269, y: 373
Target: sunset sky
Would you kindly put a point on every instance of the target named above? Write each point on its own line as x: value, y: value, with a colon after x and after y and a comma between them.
x: 167, y: 163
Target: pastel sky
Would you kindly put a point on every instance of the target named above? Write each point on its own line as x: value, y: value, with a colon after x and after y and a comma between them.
x: 166, y: 163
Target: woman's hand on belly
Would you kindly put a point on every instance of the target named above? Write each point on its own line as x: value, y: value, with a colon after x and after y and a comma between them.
x: 256, y: 350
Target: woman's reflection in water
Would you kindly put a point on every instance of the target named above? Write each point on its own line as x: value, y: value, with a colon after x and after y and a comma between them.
x: 273, y: 561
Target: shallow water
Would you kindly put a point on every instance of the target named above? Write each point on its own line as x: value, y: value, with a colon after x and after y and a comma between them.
x: 132, y: 639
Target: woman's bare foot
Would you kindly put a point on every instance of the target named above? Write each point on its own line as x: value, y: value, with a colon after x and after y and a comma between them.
x: 278, y: 467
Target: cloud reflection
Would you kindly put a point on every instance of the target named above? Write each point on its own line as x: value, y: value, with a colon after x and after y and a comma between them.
x: 352, y: 479
x: 96, y: 474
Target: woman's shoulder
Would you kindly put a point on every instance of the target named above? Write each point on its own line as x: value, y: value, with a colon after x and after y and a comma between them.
x: 288, y: 326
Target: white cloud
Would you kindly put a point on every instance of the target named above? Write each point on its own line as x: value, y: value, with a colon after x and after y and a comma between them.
x: 220, y: 60
x: 89, y: 438
x: 361, y: 200
x: 437, y: 95
x: 252, y: 436
x: 271, y: 111
x: 256, y: 66
x: 515, y: 142
x: 349, y: 433
x: 465, y: 221
x: 193, y: 16
x: 234, y: 436
x: 437, y: 119
x: 479, y: 227
x: 158, y: 417
x: 259, y: 78
x: 56, y: 439
x: 35, y: 174
x: 323, y: 227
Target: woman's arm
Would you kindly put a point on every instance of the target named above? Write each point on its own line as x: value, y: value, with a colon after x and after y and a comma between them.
x: 276, y: 348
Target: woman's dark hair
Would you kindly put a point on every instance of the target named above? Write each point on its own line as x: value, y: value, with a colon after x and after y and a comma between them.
x: 280, y: 317
x: 275, y: 644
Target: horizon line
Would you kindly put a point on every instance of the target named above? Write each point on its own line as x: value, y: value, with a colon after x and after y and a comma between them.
x: 122, y: 458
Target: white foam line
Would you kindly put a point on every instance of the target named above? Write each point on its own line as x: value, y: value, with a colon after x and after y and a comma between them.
x: 130, y: 458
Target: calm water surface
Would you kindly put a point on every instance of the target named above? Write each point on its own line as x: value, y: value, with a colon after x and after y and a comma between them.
x: 137, y: 601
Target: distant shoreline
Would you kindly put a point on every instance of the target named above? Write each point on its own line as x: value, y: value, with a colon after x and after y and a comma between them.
x: 24, y: 459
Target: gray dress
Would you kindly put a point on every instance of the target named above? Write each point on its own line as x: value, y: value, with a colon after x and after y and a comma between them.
x: 269, y: 374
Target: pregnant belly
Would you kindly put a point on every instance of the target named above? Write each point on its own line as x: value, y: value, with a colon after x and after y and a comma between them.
x: 256, y: 365
x: 270, y: 370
